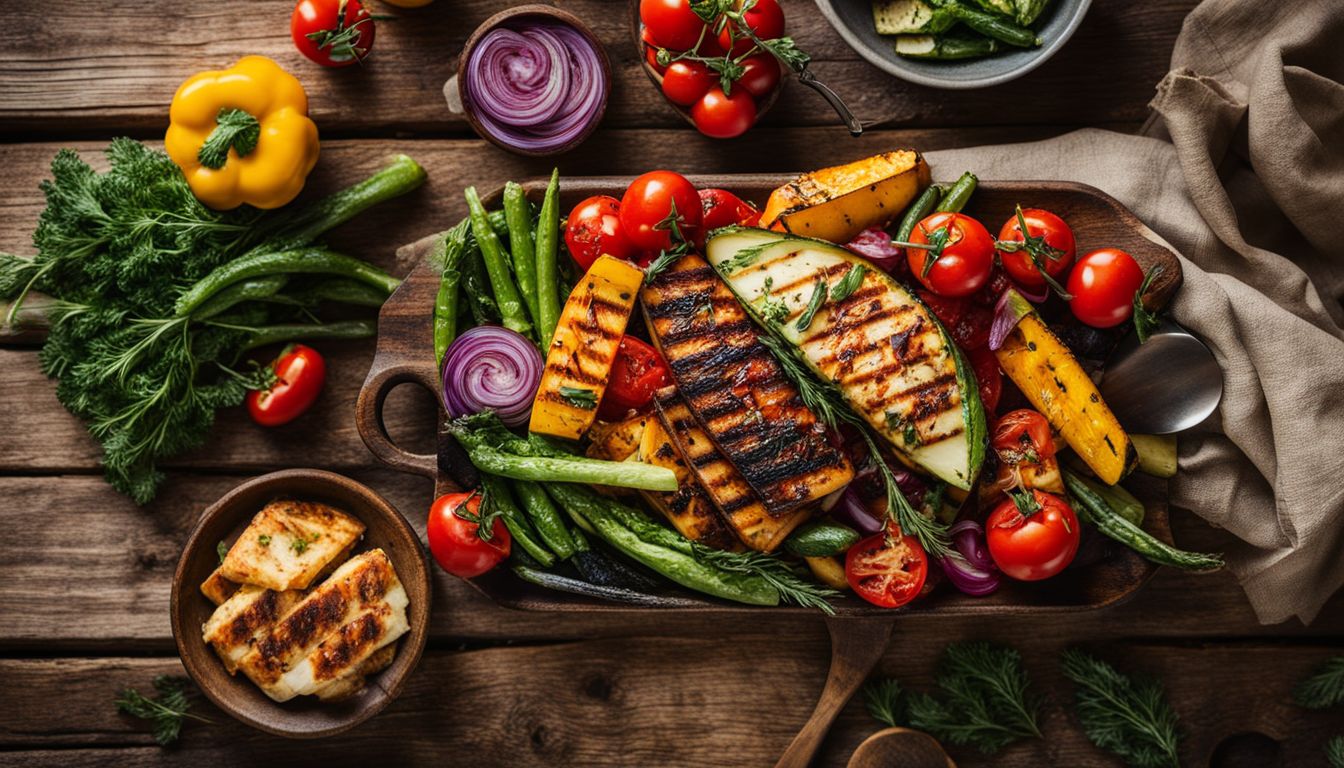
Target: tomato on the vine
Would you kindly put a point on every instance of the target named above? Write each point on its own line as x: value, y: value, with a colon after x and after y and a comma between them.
x: 684, y: 82
x: 1035, y: 543
x: 594, y: 229
x: 636, y: 374
x: 1047, y: 249
x: 887, y: 569
x: 724, y: 116
x: 1103, y: 285
x: 721, y: 208
x: 651, y: 50
x: 766, y: 20
x: 760, y: 75
x: 300, y: 373
x: 333, y: 33
x: 672, y: 23
x: 959, y: 254
x: 454, y: 536
x: 647, y: 205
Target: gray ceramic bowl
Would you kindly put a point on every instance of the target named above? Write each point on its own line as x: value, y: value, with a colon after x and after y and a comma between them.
x: 853, y: 19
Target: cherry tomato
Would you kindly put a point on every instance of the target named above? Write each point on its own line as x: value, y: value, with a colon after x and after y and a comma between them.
x: 760, y: 75
x: 333, y: 33
x: 1025, y: 449
x: 649, y: 201
x: 455, y: 541
x: 721, y: 116
x: 765, y: 18
x: 300, y: 372
x: 963, y: 260
x: 1048, y: 247
x: 721, y: 208
x: 651, y: 50
x: 672, y: 23
x: 594, y: 228
x: 1103, y: 285
x: 1036, y: 546
x: 887, y: 571
x: 685, y: 82
x: 636, y: 374
x: 988, y: 377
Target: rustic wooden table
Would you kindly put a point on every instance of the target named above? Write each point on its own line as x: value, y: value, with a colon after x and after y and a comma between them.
x: 84, y: 574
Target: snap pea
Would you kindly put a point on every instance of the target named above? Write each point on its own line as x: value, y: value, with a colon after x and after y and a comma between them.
x: 346, y: 329
x: 946, y: 47
x: 476, y: 286
x: 958, y: 194
x: 590, y: 503
x: 511, y: 309
x: 522, y: 532
x: 548, y: 273
x: 314, y: 260
x: 576, y: 469
x: 245, y: 290
x: 922, y: 207
x: 997, y: 27
x: 545, y: 518
x: 453, y: 245
x: 1093, y: 509
x: 518, y: 215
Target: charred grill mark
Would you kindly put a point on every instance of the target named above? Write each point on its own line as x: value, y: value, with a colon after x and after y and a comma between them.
x: 681, y: 305
x: 576, y: 374
x: 876, y: 372
x: 919, y: 390
x: 851, y: 322
x: 809, y: 280
x: 335, y: 656
x: 680, y: 275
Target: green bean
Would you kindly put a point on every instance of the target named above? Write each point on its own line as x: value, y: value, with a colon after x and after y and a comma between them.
x: 589, y: 503
x: 545, y: 518
x: 1093, y: 509
x: 548, y: 273
x: 620, y: 474
x: 476, y: 286
x: 999, y: 28
x: 921, y: 207
x: 453, y: 244
x: 518, y: 214
x: 945, y: 47
x: 511, y: 310
x: 245, y: 290
x: 958, y: 194
x: 522, y: 532
x: 315, y: 260
x: 1027, y: 11
x: 347, y: 329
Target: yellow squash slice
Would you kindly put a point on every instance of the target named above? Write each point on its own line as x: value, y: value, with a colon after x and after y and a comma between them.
x: 837, y: 203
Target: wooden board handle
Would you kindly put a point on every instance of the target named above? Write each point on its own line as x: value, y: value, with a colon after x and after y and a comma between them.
x: 369, y: 416
x: 856, y: 645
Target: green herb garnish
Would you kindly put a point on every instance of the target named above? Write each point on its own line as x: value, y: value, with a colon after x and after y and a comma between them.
x: 1325, y: 687
x: 579, y: 397
x: 1131, y: 719
x: 264, y: 540
x: 1334, y: 752
x: 1145, y: 322
x: 222, y: 550
x: 165, y: 711
x: 300, y: 544
x: 792, y: 587
x: 813, y: 304
x: 849, y: 283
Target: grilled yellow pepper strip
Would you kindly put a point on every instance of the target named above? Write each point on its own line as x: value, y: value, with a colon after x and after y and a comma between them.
x: 242, y: 135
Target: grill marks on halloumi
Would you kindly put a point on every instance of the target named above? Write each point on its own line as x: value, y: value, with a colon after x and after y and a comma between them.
x: 289, y: 544
x: 244, y: 617
x: 688, y: 508
x: 737, y: 391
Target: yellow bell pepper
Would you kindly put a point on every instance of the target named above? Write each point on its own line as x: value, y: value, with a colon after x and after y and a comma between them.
x: 242, y: 135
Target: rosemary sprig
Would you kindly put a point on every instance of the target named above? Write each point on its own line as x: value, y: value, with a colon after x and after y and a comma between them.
x: 792, y: 587
x: 1127, y: 717
x: 165, y: 711
x: 1145, y: 322
x: 1325, y: 687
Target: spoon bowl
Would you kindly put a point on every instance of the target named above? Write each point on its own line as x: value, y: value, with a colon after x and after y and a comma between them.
x: 900, y: 747
x: 1167, y: 384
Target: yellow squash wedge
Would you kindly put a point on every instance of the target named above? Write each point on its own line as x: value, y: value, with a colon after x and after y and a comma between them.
x: 579, y: 360
x: 1057, y: 386
x: 837, y: 203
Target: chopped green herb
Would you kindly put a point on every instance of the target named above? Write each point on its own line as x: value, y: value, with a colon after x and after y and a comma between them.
x: 300, y: 544
x: 579, y: 397
x: 264, y: 540
x: 848, y: 284
x: 1145, y: 322
x: 911, y: 434
x: 221, y: 549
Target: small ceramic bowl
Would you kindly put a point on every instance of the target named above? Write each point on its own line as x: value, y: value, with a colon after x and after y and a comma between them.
x: 853, y: 19
x: 303, y: 717
x: 456, y: 88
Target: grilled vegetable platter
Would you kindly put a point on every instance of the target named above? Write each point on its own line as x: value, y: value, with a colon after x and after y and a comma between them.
x: 871, y: 391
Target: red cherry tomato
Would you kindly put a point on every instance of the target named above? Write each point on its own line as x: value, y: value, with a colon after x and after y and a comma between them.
x: 672, y: 23
x: 971, y: 331
x: 651, y: 50
x: 721, y: 208
x: 594, y: 228
x: 685, y: 82
x: 988, y: 377
x: 648, y: 202
x: 1036, y: 546
x: 333, y: 33
x: 947, y: 309
x: 637, y: 373
x: 722, y: 116
x: 765, y: 18
x: 760, y: 75
x: 887, y: 571
x: 455, y: 542
x: 300, y: 372
x: 962, y: 262
x: 1103, y: 285
x: 1022, y: 435
x: 1050, y: 248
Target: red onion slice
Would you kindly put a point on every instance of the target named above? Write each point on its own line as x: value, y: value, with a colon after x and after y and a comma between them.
x: 874, y: 244
x: 969, y: 566
x: 851, y: 510
x: 1009, y: 310
x: 491, y: 368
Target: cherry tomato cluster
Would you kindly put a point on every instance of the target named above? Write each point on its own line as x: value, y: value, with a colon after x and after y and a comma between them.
x: 715, y: 69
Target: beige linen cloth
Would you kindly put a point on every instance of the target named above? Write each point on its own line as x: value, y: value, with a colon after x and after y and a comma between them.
x: 1241, y: 170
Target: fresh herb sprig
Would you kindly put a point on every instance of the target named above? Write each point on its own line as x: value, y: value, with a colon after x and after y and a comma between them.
x: 792, y: 587
x: 1130, y: 718
x: 885, y: 700
x: 1145, y: 321
x: 667, y: 256
x: 1325, y: 687
x: 1334, y: 752
x: 166, y: 711
x: 1038, y: 252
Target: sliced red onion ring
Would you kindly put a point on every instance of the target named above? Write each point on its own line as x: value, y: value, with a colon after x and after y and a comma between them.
x: 491, y: 368
x: 969, y: 566
x: 874, y: 244
x: 851, y: 510
x: 536, y: 87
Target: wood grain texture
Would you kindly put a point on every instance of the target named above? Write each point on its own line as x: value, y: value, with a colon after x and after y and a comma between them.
x: 653, y: 701
x: 68, y: 75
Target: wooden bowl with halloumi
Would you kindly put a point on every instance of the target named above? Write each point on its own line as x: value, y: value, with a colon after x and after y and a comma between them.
x: 301, y: 603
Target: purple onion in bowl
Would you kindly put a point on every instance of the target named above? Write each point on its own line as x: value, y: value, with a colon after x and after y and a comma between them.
x: 491, y: 368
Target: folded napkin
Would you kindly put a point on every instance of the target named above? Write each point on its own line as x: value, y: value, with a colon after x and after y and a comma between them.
x: 1241, y: 170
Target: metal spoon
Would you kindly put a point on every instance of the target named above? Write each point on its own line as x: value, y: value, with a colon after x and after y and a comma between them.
x: 1169, y: 383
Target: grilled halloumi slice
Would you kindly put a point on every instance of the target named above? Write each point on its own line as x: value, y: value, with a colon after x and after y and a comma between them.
x: 245, y: 616
x: 737, y: 390
x: 344, y: 651
x: 688, y: 508
x: 362, y: 583
x: 733, y: 498
x: 289, y: 544
x: 217, y: 589
x: 350, y: 685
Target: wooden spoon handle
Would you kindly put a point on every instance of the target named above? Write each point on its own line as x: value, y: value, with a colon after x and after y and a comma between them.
x: 856, y: 645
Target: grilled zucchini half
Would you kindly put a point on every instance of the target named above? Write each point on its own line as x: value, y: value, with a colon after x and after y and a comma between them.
x: 861, y: 330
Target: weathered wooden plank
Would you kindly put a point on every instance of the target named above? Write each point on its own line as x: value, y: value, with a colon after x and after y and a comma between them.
x: 86, y: 569
x: 76, y: 78
x: 652, y: 701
